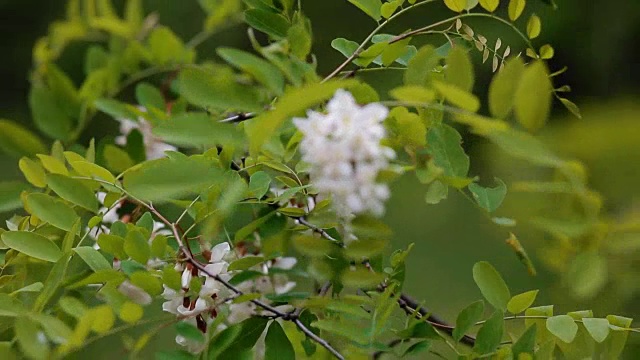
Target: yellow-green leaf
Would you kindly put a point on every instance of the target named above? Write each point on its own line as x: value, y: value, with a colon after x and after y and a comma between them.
x: 33, y: 172
x: 17, y: 140
x: 490, y: 5
x: 534, y: 26
x: 459, y: 70
x: 503, y: 87
x: 32, y: 244
x: 546, y: 52
x: 456, y: 96
x: 73, y: 191
x: 533, y: 97
x: 522, y: 302
x: 515, y: 9
x: 456, y: 5
x: 51, y: 210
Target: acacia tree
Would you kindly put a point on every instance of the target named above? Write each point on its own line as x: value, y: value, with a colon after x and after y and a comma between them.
x: 243, y: 197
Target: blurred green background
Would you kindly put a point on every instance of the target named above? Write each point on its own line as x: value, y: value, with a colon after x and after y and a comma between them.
x: 596, y: 39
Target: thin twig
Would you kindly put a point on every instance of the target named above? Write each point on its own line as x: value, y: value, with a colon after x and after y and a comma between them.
x: 292, y: 316
x: 369, y: 37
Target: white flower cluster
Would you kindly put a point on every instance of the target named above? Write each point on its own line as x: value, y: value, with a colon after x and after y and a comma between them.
x: 344, y: 151
x: 154, y: 147
x: 200, y: 310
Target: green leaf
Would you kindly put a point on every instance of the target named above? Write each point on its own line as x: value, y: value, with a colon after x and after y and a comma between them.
x: 147, y: 282
x: 117, y: 109
x: 490, y: 5
x: 277, y: 344
x: 618, y: 337
x: 131, y: 312
x: 94, y: 171
x: 436, y: 192
x: 459, y: 70
x: 48, y: 115
x: 503, y: 87
x: 526, y: 343
x: 444, y: 144
x: 51, y: 210
x: 93, y: 258
x: 563, y: 327
x: 457, y: 96
x: 117, y: 160
x: 137, y: 246
x: 534, y: 26
x: 533, y: 97
x: 369, y: 7
x: 546, y: 52
x: 263, y: 71
x: 388, y: 9
x: 361, y: 277
x: 218, y: 89
x: 344, y: 46
x: 467, y: 319
x: 490, y: 334
x: 112, y: 244
x: 149, y: 96
x: 195, y: 129
x: 291, y: 103
x: 103, y: 319
x: 33, y: 172
x: 27, y: 333
x: 597, y: 328
x: 491, y: 284
x: 489, y: 198
x: 167, y: 48
x: 587, y: 274
x: 246, y: 262
x: 10, y: 306
x: 10, y: 195
x: 246, y: 334
x: 17, y: 141
x: 268, y: 22
x: 413, y: 93
x: 165, y: 179
x: 456, y: 5
x: 259, y: 184
x: 189, y: 331
x: 73, y: 191
x: 417, y: 348
x: 540, y: 323
x: 53, y: 282
x: 515, y: 9
x: 35, y: 287
x: 573, y: 108
x: 525, y: 146
x: 522, y: 302
x: 53, y: 165
x: 32, y: 244
x: 420, y: 68
x: 312, y: 246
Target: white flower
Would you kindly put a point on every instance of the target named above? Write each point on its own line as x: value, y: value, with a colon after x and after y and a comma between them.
x: 154, y: 147
x: 344, y: 151
x: 175, y: 300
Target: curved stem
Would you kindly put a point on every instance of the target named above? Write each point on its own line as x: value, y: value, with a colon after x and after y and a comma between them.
x: 370, y: 36
x: 460, y: 16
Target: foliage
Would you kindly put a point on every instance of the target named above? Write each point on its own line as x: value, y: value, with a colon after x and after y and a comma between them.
x: 213, y: 200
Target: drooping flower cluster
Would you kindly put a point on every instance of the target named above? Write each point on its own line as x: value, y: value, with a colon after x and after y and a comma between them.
x: 344, y: 151
x: 214, y: 298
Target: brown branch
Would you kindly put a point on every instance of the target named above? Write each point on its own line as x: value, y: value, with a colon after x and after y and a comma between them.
x: 291, y: 316
x: 405, y: 302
